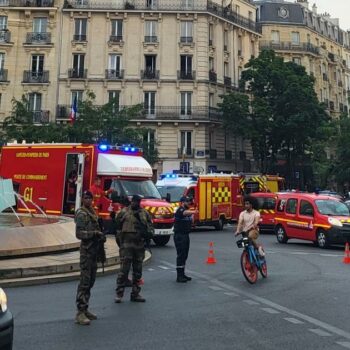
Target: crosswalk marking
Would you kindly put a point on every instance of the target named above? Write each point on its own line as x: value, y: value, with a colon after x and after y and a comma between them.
x: 345, y: 344
x: 320, y: 332
x: 215, y: 288
x: 293, y: 320
x: 163, y: 267
x: 270, y: 310
x: 251, y: 302
x: 231, y: 294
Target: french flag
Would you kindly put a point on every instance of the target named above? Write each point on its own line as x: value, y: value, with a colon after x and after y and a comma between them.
x: 73, y: 111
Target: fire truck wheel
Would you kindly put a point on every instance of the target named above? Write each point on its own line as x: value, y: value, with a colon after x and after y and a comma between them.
x: 281, y: 234
x: 161, y: 241
x: 322, y: 240
x: 219, y: 226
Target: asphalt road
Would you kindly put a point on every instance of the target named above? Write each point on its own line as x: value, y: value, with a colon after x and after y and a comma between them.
x: 303, y: 304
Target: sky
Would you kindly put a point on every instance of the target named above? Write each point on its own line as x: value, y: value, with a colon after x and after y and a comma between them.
x: 336, y: 8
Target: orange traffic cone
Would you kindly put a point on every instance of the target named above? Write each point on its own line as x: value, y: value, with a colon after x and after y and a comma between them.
x: 346, y: 259
x: 211, y: 259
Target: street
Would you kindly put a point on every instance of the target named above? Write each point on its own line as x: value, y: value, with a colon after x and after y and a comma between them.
x: 303, y: 304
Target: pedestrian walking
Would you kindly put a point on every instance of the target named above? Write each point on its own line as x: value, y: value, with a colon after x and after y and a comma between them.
x: 134, y: 226
x: 182, y: 228
x: 88, y: 231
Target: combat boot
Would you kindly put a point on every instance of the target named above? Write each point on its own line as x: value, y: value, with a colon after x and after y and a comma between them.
x: 181, y: 275
x: 137, y: 298
x: 188, y: 278
x: 90, y: 315
x: 81, y: 319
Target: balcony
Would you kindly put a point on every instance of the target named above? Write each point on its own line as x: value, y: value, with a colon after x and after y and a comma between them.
x: 114, y: 74
x: 149, y: 74
x: 189, y: 152
x: 151, y: 39
x: 5, y: 36
x: 3, y: 75
x: 38, y: 38
x: 212, y: 76
x: 227, y: 81
x: 27, y: 3
x: 75, y: 73
x: 115, y: 39
x: 186, y: 39
x: 183, y: 75
x: 212, y: 154
x: 289, y: 46
x: 228, y: 155
x: 36, y: 77
x: 41, y: 117
x: 79, y: 37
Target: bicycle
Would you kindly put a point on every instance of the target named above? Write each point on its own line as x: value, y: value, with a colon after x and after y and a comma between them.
x: 251, y: 261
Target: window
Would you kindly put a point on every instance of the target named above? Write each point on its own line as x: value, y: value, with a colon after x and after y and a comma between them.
x: 252, y: 48
x: 187, y: 4
x: 3, y: 22
x: 237, y: 9
x: 291, y: 207
x: 113, y: 96
x: 240, y: 46
x: 211, y: 99
x: 281, y: 205
x: 186, y: 103
x: 186, y: 67
x: 150, y: 66
x: 0, y: 99
x: 37, y: 64
x: 306, y: 208
x: 114, y: 64
x: 149, y: 139
x: 226, y: 72
x: 76, y: 95
x: 150, y: 103
x: 296, y: 60
x: 150, y: 31
x: 117, y: 30
x: 211, y: 64
x: 295, y: 38
x: 78, y: 64
x: 151, y: 3
x: 211, y: 34
x: 34, y: 102
x: 186, y: 32
x: 308, y: 38
x: 2, y: 61
x: 186, y: 142
x: 80, y: 29
x: 275, y: 37
x: 225, y: 40
x: 40, y: 25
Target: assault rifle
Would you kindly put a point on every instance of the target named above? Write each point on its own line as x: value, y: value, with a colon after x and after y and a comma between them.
x: 101, y: 251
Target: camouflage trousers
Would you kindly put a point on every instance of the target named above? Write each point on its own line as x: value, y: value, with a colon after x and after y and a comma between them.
x: 88, y: 268
x: 130, y: 256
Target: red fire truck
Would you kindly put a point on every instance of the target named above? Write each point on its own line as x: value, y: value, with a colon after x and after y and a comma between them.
x: 217, y: 197
x: 53, y: 176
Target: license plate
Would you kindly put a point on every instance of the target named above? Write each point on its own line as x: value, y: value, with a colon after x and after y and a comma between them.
x: 164, y: 232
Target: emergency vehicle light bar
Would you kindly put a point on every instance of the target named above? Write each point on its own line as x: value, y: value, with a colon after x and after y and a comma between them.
x: 126, y: 148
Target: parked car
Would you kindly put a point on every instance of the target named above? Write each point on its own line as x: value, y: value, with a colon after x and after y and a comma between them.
x: 6, y: 323
x: 266, y: 205
x: 322, y: 219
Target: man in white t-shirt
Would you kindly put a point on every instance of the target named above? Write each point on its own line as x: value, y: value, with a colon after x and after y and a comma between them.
x: 248, y: 222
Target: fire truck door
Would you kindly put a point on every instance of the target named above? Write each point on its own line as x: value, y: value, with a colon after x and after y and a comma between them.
x: 81, y: 163
x: 205, y: 200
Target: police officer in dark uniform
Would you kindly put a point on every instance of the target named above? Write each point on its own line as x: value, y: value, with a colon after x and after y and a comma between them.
x: 182, y: 228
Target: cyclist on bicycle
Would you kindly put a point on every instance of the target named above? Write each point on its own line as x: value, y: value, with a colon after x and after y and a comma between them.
x: 248, y: 222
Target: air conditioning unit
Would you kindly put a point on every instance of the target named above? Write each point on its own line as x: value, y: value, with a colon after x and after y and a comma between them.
x: 200, y: 153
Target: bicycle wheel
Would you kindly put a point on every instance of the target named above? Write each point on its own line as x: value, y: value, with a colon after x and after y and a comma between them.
x: 250, y: 271
x: 263, y: 269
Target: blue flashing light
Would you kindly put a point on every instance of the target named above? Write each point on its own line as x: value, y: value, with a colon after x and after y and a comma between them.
x: 132, y: 149
x: 126, y: 149
x: 103, y: 147
x: 169, y: 176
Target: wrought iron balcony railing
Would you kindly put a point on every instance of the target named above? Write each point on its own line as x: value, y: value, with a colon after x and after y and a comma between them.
x: 114, y: 74
x: 115, y: 38
x: 186, y: 75
x: 79, y: 37
x: 75, y: 73
x: 151, y: 39
x: 27, y: 3
x: 5, y: 36
x: 41, y: 117
x: 150, y: 74
x: 42, y: 38
x: 289, y: 46
x: 3, y: 75
x: 36, y: 77
x: 213, y: 76
x: 186, y: 39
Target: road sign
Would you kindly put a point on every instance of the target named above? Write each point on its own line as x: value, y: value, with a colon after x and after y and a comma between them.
x: 212, y: 169
x: 185, y: 167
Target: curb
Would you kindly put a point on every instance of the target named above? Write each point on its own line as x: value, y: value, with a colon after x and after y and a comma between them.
x: 62, y: 277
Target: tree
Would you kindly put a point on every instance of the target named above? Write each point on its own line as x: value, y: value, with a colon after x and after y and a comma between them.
x: 283, y: 118
x: 94, y: 124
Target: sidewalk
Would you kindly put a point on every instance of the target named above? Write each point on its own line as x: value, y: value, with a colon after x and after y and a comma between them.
x: 54, y: 267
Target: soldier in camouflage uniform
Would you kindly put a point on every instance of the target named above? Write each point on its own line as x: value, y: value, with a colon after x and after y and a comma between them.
x: 134, y: 226
x: 88, y: 231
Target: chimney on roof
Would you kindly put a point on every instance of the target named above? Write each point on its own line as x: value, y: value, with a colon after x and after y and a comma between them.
x: 314, y: 9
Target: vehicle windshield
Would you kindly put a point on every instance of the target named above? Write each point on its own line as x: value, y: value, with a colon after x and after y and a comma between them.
x: 144, y: 188
x: 176, y: 192
x: 332, y: 207
x: 266, y: 203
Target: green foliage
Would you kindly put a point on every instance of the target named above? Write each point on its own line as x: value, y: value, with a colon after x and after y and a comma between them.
x: 94, y: 124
